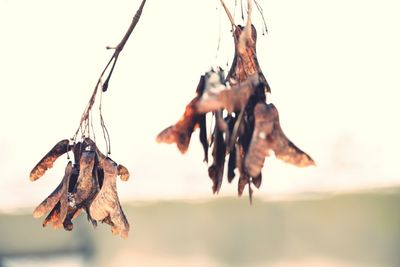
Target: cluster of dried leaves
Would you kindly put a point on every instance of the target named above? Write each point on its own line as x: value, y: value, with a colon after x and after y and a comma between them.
x: 88, y: 184
x: 246, y: 127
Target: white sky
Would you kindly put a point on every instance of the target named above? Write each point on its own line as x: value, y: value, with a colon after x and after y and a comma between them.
x: 333, y: 67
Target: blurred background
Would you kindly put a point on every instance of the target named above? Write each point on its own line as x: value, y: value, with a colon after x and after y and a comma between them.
x: 333, y: 67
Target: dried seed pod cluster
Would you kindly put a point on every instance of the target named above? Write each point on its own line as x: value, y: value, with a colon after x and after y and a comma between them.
x: 88, y: 184
x: 249, y: 130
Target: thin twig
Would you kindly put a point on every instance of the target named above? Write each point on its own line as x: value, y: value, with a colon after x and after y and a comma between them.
x: 250, y: 192
x: 241, y: 9
x: 121, y: 45
x: 113, y: 59
x: 260, y: 9
x: 229, y: 14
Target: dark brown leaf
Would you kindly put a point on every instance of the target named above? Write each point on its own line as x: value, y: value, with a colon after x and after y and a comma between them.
x: 257, y: 180
x: 78, y: 148
x: 86, y: 185
x: 231, y: 121
x: 216, y: 170
x: 231, y: 165
x: 203, y: 135
x: 72, y: 214
x: 82, y: 190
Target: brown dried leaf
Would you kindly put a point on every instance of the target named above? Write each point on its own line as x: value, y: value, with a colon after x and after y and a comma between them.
x: 181, y: 132
x: 245, y: 63
x: 286, y: 151
x: 243, y: 181
x: 232, y: 99
x: 73, y: 213
x: 268, y: 135
x: 257, y: 180
x: 231, y: 165
x: 106, y: 206
x: 78, y: 148
x: 216, y: 170
x: 259, y: 148
x: 203, y: 135
x: 64, y: 200
x: 53, y: 217
x: 82, y: 190
x: 59, y: 193
x: 231, y: 121
x: 47, y: 161
x: 123, y: 172
x: 86, y: 185
x: 243, y: 177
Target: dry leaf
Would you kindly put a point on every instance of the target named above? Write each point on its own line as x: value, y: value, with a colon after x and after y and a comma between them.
x: 181, y: 132
x: 267, y: 136
x: 50, y: 202
x: 245, y: 63
x: 53, y: 217
x: 231, y: 99
x: 106, y: 203
x: 242, y: 128
x: 47, y: 161
x: 216, y: 170
x: 86, y: 185
x: 123, y: 172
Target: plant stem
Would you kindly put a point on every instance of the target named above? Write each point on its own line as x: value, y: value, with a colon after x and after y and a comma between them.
x: 229, y: 14
x: 113, y: 60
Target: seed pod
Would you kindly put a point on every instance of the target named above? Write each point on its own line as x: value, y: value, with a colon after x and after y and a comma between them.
x: 59, y: 193
x: 86, y: 185
x: 268, y: 135
x: 47, y: 161
x: 245, y: 62
x: 106, y: 206
x: 83, y: 189
x: 181, y: 132
x: 123, y: 172
x: 53, y: 217
x: 72, y: 214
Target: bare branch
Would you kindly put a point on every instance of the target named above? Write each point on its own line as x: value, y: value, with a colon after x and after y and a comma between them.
x: 113, y: 60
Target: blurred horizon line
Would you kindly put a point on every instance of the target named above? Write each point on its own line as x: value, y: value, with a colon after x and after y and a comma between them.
x: 306, y: 195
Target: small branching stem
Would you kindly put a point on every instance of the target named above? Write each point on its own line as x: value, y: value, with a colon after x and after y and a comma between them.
x: 117, y: 50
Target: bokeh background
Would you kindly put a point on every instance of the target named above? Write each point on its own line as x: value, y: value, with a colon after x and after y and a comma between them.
x: 333, y: 67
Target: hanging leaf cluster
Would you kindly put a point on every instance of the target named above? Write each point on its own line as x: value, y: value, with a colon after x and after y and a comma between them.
x: 246, y: 128
x: 89, y: 184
